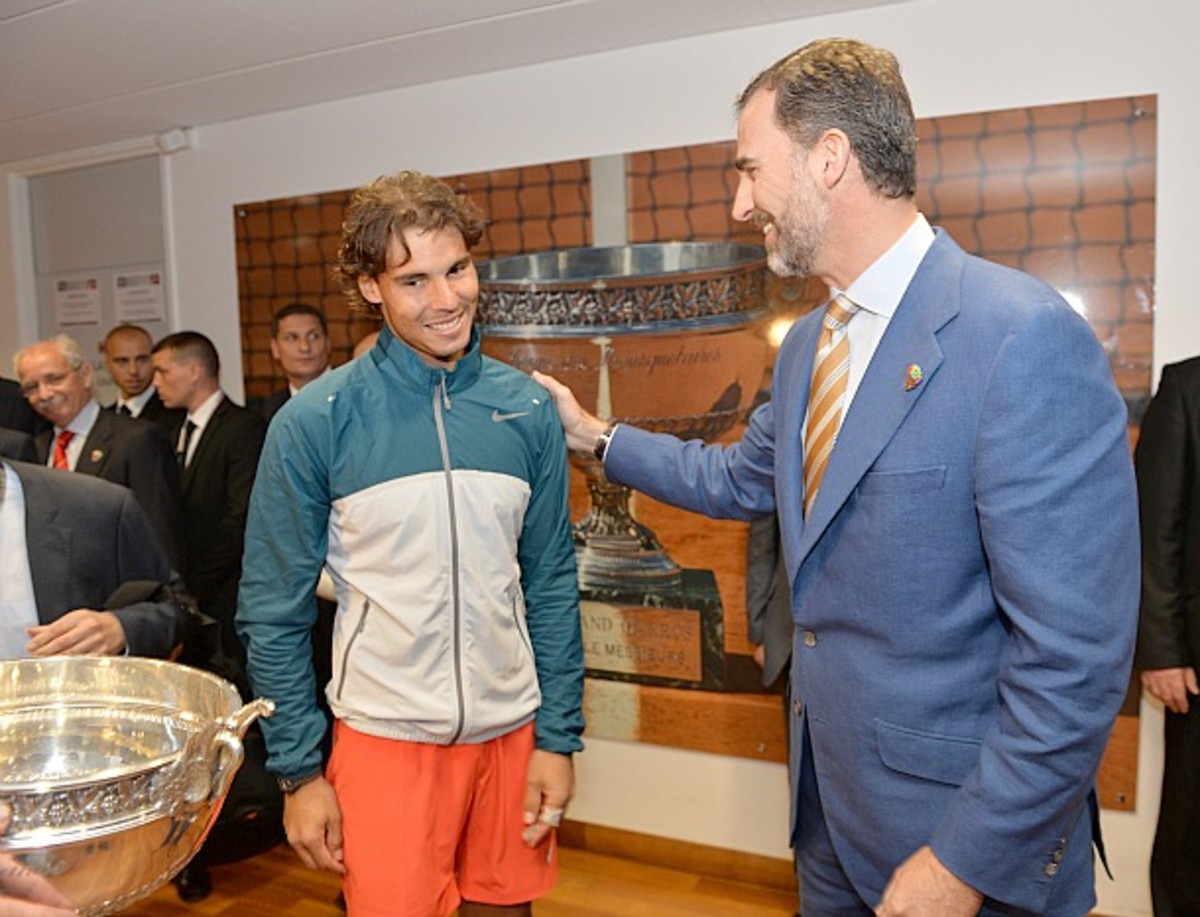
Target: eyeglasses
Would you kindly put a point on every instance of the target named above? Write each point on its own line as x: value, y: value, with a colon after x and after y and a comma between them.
x: 52, y: 380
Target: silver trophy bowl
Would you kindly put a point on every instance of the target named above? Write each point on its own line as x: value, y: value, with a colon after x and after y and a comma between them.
x: 666, y: 336
x: 115, y: 770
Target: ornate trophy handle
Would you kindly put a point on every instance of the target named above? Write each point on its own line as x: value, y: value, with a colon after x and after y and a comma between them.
x: 228, y: 744
x: 226, y: 761
x: 239, y: 721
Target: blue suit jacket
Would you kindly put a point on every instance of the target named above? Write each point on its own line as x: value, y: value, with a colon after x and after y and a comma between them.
x: 965, y: 589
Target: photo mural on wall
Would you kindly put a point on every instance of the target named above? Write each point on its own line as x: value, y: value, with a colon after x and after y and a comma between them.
x: 1064, y: 192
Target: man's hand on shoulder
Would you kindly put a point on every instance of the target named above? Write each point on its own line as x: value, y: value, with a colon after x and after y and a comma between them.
x: 922, y: 887
x: 582, y: 428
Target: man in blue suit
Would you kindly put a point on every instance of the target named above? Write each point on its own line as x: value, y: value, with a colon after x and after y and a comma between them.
x: 964, y: 579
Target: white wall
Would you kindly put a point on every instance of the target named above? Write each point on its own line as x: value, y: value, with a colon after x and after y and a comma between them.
x: 958, y: 57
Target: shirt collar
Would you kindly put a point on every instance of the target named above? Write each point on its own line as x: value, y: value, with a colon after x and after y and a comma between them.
x: 294, y: 390
x: 137, y: 403
x: 203, y: 414
x: 389, y: 349
x: 81, y: 424
x: 880, y: 287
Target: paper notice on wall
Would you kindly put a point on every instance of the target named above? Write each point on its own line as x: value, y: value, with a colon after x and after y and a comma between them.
x: 77, y: 301
x: 138, y: 297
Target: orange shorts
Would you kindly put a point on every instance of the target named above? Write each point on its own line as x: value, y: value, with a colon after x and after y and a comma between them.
x: 425, y: 826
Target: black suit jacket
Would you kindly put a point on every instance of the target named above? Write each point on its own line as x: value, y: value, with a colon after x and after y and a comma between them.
x: 272, y: 403
x: 216, y: 496
x: 85, y: 538
x: 1168, y: 471
x: 15, y: 412
x: 135, y: 454
x: 768, y: 597
x: 169, y: 419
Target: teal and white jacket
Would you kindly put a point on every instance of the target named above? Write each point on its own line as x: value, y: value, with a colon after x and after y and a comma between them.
x: 438, y: 502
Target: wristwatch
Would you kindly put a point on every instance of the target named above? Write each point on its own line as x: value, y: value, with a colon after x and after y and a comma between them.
x: 602, y: 442
x: 289, y: 785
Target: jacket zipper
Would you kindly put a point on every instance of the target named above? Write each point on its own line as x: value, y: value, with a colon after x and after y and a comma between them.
x: 516, y: 613
x: 440, y: 397
x: 362, y: 622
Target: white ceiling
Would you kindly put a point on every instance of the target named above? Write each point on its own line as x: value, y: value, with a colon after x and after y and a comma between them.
x: 77, y: 74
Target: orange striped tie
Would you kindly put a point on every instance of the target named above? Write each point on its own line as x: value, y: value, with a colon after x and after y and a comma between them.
x: 826, y: 394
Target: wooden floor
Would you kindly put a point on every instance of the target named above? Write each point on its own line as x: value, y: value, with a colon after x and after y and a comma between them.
x: 589, y: 885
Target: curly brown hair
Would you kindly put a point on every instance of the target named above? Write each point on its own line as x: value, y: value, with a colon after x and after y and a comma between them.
x: 383, y: 210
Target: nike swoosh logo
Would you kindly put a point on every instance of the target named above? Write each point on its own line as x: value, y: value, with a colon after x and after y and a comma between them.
x: 500, y: 418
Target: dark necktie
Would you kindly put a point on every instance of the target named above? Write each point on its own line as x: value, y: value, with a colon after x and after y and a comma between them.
x: 188, y: 429
x: 124, y: 409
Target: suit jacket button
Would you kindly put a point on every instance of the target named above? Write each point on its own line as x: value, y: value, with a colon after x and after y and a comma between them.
x: 1051, y: 869
x: 798, y: 707
x: 810, y: 638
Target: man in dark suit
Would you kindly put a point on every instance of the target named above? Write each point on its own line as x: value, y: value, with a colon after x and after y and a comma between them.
x: 15, y: 412
x: 83, y: 538
x: 768, y: 599
x: 947, y: 453
x: 59, y: 385
x: 218, y: 449
x: 1168, y: 649
x: 126, y: 350
x: 300, y: 344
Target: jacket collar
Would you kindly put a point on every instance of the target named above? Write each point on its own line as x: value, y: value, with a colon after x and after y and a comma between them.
x: 390, y: 353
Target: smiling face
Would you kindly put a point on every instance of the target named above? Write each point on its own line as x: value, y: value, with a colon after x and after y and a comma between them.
x: 777, y: 191
x: 301, y: 347
x: 54, y: 389
x: 429, y: 299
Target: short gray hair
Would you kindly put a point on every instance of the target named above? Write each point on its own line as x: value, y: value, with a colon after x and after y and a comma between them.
x: 67, y: 345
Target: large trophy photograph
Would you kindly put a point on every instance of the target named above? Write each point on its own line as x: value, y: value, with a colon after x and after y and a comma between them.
x: 115, y: 769
x: 669, y: 337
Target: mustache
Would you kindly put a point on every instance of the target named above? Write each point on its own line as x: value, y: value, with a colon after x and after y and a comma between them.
x: 760, y: 219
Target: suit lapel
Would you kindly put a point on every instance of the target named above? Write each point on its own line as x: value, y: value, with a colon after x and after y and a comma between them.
x: 51, y: 540
x: 41, y: 445
x: 790, y: 402
x: 883, y: 398
x: 98, y: 446
x: 205, y: 445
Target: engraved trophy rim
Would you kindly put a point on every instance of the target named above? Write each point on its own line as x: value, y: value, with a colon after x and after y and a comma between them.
x: 635, y: 288
x: 632, y: 264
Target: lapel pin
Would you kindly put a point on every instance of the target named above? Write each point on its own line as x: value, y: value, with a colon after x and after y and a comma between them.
x: 96, y: 455
x: 912, y: 377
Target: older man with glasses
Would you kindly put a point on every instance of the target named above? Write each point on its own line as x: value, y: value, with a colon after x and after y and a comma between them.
x: 58, y: 383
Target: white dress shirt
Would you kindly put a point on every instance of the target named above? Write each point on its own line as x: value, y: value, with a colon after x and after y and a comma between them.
x: 878, y: 291
x: 200, y: 418
x: 137, y: 403
x: 18, y: 606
